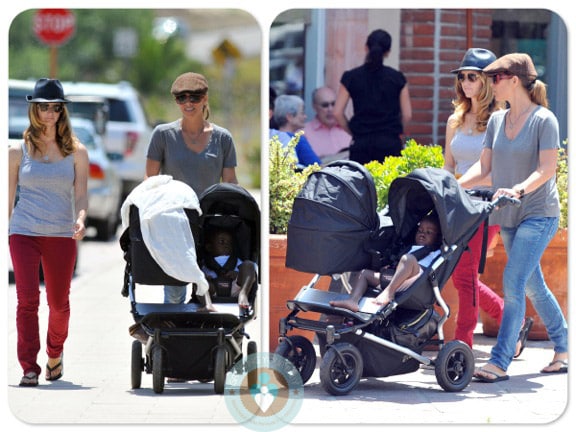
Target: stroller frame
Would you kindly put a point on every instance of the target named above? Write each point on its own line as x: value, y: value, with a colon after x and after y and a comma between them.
x: 341, y: 370
x: 183, y: 341
x: 336, y: 211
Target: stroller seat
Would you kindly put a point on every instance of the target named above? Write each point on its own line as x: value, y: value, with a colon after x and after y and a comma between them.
x: 315, y: 300
x: 186, y: 341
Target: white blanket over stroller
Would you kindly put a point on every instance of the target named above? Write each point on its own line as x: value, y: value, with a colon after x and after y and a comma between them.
x: 161, y: 201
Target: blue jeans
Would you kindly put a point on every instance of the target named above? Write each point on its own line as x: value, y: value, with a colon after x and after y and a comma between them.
x: 174, y: 294
x: 525, y: 245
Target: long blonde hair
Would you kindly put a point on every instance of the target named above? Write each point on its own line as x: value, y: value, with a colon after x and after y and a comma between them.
x: 66, y: 140
x: 463, y: 104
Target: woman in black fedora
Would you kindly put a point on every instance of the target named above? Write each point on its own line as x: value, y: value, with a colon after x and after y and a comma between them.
x: 465, y: 132
x: 50, y: 170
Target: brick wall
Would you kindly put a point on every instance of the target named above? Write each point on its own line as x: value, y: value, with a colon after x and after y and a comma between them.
x: 433, y: 42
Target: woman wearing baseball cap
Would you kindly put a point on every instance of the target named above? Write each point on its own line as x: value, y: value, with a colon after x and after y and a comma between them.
x: 191, y: 149
x: 520, y: 154
x: 50, y: 169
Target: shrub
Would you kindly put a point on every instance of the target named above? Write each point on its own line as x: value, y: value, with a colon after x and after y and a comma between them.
x: 562, y: 183
x: 285, y: 182
x: 412, y: 156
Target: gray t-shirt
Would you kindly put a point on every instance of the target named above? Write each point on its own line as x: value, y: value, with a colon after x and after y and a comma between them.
x: 198, y: 170
x: 514, y: 160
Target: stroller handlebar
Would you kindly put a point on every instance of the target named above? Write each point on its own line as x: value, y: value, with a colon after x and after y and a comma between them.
x: 486, y: 195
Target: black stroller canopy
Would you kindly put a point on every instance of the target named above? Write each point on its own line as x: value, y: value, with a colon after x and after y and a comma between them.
x: 333, y: 218
x: 424, y: 189
x: 231, y: 206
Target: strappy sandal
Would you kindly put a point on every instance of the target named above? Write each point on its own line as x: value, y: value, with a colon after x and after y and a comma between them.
x: 523, y: 336
x: 50, y: 375
x: 29, y: 380
x: 562, y: 369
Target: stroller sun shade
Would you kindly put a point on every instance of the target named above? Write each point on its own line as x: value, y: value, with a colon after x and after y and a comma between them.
x: 424, y: 189
x: 333, y: 218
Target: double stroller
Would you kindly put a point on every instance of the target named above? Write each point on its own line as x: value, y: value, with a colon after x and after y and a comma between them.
x: 185, y: 341
x: 335, y: 229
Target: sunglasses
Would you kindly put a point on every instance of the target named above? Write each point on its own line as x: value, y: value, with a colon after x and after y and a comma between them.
x: 472, y: 77
x: 501, y: 76
x: 181, y: 99
x: 54, y: 108
x: 327, y: 104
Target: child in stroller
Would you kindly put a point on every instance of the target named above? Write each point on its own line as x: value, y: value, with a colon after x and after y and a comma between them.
x: 427, y: 241
x: 336, y: 211
x: 228, y: 275
x: 186, y: 342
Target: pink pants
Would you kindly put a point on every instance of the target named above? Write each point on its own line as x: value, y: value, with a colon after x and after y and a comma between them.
x: 472, y: 293
x: 58, y: 255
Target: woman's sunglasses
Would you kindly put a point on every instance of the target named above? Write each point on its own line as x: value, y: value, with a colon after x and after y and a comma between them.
x: 181, y: 99
x: 501, y: 76
x: 327, y: 104
x: 47, y: 107
x: 472, y: 77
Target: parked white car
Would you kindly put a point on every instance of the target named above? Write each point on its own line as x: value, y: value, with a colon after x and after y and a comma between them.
x: 104, y: 184
x: 127, y: 130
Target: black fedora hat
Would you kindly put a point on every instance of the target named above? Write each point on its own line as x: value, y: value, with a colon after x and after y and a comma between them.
x: 475, y: 59
x: 47, y: 90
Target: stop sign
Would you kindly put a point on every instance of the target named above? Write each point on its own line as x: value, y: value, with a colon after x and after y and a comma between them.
x: 54, y: 26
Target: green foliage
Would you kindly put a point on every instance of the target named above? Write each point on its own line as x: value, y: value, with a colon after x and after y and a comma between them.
x: 562, y: 183
x: 413, y: 156
x: 285, y: 182
x: 235, y: 90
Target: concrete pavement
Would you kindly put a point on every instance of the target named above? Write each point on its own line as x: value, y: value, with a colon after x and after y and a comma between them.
x: 95, y: 388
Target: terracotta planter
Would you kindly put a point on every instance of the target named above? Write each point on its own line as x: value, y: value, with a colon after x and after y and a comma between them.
x: 284, y: 285
x: 555, y: 268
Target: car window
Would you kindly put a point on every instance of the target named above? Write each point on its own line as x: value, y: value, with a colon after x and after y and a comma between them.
x: 119, y: 111
x: 85, y: 137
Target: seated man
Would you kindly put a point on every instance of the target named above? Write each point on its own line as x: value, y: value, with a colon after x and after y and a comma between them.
x: 227, y: 274
x: 409, y: 268
x: 327, y: 138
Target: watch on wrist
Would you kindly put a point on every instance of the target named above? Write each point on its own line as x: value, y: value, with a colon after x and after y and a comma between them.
x: 520, y: 191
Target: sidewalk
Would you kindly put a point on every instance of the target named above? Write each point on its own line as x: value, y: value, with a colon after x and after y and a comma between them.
x: 95, y: 388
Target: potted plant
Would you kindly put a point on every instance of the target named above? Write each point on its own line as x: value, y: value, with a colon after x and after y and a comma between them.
x: 554, y: 262
x: 285, y: 181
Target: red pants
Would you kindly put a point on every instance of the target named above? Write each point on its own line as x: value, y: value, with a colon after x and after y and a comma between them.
x: 472, y: 293
x: 58, y: 255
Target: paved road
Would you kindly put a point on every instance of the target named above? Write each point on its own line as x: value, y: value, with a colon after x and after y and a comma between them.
x: 96, y: 386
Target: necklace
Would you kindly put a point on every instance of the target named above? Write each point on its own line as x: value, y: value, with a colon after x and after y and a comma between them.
x: 471, y: 128
x: 512, y: 124
x: 46, y: 152
x: 194, y: 137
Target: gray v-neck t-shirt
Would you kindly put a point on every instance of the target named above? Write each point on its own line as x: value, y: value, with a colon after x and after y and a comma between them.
x: 198, y: 170
x: 514, y: 160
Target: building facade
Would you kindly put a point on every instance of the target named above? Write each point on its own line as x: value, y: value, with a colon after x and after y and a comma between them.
x: 310, y: 48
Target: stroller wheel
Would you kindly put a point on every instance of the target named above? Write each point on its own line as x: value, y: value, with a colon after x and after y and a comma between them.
x: 137, y: 365
x: 157, y: 371
x: 220, y: 370
x: 454, y: 366
x: 252, y: 364
x: 341, y: 369
x: 301, y: 353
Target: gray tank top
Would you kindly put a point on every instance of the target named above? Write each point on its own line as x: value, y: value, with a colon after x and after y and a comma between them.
x: 45, y: 205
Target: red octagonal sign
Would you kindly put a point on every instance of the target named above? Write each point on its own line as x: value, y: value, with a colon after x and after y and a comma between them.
x: 54, y: 26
